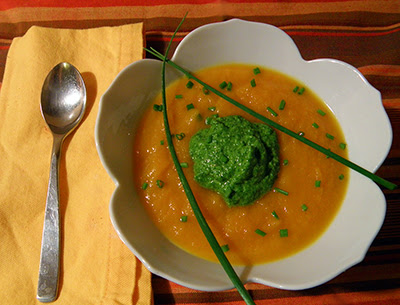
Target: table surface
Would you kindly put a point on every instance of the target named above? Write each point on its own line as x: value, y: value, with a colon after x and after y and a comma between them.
x: 365, y: 34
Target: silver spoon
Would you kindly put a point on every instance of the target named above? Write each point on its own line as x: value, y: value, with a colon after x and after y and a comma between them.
x: 63, y: 104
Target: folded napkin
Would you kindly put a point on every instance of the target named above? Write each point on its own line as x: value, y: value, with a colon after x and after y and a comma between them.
x: 97, y: 268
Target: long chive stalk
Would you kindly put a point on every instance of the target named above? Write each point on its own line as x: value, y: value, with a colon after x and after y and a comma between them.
x: 389, y: 185
x: 218, y: 250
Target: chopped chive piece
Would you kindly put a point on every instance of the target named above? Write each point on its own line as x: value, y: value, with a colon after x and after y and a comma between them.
x: 321, y: 112
x: 317, y: 183
x: 145, y: 185
x: 304, y: 207
x: 199, y: 117
x: 281, y: 191
x: 189, y: 84
x: 184, y: 165
x: 329, y: 136
x: 260, y: 232
x: 275, y: 215
x: 178, y: 96
x: 184, y: 218
x: 270, y: 110
x: 190, y: 106
x: 158, y: 107
x: 212, y: 108
x: 342, y: 146
x: 315, y: 125
x: 206, y: 91
x: 256, y: 71
x: 225, y: 248
x: 285, y: 162
x: 223, y: 85
x: 253, y: 82
x: 229, y: 87
x: 282, y: 105
x: 160, y: 183
x: 341, y: 177
x: 162, y: 142
x: 301, y: 91
x: 301, y: 133
x: 180, y: 136
x: 296, y: 89
x: 283, y: 233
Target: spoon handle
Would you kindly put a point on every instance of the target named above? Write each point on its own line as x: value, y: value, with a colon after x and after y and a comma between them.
x: 50, y: 253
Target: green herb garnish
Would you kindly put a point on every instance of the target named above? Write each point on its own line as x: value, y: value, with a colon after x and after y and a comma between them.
x: 183, y: 218
x: 282, y: 105
x: 145, y: 185
x: 179, y: 96
x: 275, y: 215
x: 210, y: 118
x: 321, y: 112
x: 341, y: 177
x: 329, y: 136
x: 157, y: 107
x: 256, y: 71
x: 278, y: 190
x: 229, y: 87
x: 260, y: 232
x: 189, y: 106
x: 160, y: 183
x: 270, y: 110
x: 184, y: 164
x: 285, y: 162
x: 304, y: 207
x: 253, y: 82
x: 301, y: 91
x: 189, y: 85
x: 180, y: 136
x: 342, y: 146
x: 317, y: 183
x: 223, y: 85
x: 315, y: 125
x: 225, y: 248
x: 283, y: 233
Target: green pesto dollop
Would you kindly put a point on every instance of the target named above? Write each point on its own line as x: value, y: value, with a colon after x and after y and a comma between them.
x: 236, y: 158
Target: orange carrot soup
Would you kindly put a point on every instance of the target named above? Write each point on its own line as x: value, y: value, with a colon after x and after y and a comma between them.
x: 265, y: 195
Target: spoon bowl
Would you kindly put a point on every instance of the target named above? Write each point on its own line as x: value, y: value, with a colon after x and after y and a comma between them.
x: 63, y: 103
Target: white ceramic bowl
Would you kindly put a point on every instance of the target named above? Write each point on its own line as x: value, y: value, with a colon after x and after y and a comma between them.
x: 356, y: 104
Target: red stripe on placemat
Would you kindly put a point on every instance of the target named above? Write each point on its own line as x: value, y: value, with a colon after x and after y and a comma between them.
x: 109, y: 3
x: 341, y: 33
x: 166, y: 36
x: 95, y: 3
x: 386, y: 70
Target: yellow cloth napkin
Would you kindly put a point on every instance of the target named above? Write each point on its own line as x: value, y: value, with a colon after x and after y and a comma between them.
x: 97, y: 268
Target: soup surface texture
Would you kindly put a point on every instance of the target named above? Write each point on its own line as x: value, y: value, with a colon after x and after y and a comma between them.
x: 303, y: 200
